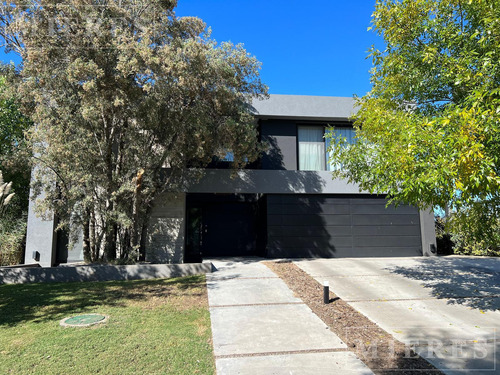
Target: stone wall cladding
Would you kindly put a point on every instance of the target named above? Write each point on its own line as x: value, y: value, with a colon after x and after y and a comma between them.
x: 166, y: 230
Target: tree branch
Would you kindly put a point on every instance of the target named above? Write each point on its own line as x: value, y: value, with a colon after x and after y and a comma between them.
x: 53, y: 170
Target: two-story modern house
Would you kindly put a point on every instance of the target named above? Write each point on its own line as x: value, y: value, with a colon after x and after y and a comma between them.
x: 284, y: 205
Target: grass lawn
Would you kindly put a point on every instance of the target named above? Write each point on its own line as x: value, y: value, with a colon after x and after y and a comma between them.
x: 154, y: 327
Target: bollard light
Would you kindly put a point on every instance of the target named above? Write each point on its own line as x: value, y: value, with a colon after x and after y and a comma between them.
x: 326, y: 292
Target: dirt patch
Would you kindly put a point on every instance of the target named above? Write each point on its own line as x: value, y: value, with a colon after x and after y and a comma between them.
x: 375, y: 347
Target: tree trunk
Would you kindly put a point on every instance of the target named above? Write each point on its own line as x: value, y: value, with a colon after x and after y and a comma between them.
x: 110, y: 240
x: 125, y: 245
x: 136, y: 211
x: 87, y: 251
x: 95, y: 246
x: 109, y: 226
x: 144, y: 233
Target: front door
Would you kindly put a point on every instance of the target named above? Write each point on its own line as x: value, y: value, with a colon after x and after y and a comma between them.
x: 224, y: 225
x: 228, y: 229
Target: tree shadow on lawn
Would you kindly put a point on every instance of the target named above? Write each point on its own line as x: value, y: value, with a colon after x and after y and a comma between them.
x: 42, y: 302
x: 470, y: 282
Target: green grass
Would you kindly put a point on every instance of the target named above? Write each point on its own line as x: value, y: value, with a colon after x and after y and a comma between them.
x: 154, y: 327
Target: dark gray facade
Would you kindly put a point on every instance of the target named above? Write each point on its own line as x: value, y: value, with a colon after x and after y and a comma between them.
x: 271, y: 208
x: 306, y: 213
x: 281, y: 136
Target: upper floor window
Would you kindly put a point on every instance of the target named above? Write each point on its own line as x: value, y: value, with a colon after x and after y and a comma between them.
x: 347, y: 133
x: 313, y: 146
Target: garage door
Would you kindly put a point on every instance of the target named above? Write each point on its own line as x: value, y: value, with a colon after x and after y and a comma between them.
x: 340, y: 226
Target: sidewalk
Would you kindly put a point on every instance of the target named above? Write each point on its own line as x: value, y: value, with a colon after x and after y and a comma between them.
x: 259, y: 327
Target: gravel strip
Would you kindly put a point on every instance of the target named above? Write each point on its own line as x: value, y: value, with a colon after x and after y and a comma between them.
x: 256, y: 304
x: 290, y: 352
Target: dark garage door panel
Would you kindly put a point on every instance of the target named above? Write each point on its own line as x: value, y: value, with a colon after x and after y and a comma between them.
x: 301, y: 209
x: 386, y: 230
x: 386, y: 241
x: 306, y: 199
x: 380, y: 209
x: 385, y: 219
x: 330, y: 226
x: 308, y: 220
x: 308, y: 231
x: 303, y: 242
x: 345, y: 252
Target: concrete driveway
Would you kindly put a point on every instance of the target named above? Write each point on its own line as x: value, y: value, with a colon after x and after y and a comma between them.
x: 446, y: 308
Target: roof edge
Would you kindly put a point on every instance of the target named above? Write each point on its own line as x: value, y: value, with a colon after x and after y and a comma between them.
x: 305, y: 107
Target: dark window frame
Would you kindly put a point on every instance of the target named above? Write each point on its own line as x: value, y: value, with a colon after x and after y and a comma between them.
x: 339, y: 124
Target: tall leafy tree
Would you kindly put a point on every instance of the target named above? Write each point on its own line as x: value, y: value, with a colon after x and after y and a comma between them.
x: 429, y: 130
x: 14, y: 154
x: 119, y: 90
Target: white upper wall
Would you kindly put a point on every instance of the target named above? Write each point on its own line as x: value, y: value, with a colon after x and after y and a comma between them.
x: 304, y: 107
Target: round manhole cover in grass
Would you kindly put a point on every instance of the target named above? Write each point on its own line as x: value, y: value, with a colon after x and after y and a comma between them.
x: 84, y: 320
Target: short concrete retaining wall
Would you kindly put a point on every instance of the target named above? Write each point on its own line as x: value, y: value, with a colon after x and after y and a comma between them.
x: 100, y: 273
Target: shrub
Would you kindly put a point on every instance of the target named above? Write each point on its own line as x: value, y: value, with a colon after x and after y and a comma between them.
x: 12, y: 228
x: 5, y: 195
x: 12, y: 241
x: 445, y: 245
x: 475, y: 230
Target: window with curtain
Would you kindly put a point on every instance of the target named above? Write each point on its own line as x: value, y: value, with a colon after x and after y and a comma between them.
x: 311, y: 148
x: 342, y: 132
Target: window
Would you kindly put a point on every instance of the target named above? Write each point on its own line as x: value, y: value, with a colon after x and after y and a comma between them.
x: 339, y: 132
x: 313, y: 155
x: 311, y: 148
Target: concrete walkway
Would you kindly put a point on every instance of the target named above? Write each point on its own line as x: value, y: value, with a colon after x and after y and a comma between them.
x: 260, y: 327
x: 446, y: 308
